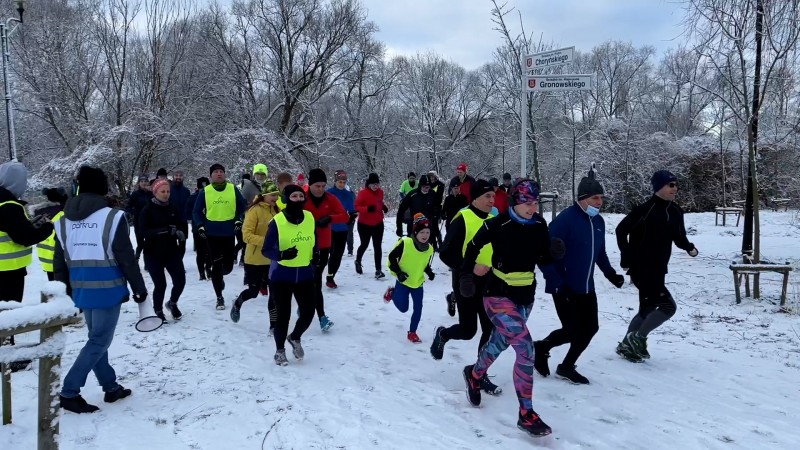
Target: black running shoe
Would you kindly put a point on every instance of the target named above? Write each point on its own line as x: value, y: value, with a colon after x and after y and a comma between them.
x: 359, y: 270
x: 437, y: 346
x: 220, y: 303
x: 119, y: 394
x: 451, y: 304
x: 473, y: 386
x: 173, y: 310
x: 489, y: 387
x: 540, y: 357
x: 570, y: 374
x: 531, y: 423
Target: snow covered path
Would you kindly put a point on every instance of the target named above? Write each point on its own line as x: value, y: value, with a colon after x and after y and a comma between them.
x: 722, y: 376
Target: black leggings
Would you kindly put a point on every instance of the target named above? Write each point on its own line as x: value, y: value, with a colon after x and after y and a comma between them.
x: 338, y: 243
x: 258, y: 277
x: 324, y: 253
x: 201, y: 257
x: 375, y: 233
x: 223, y: 256
x: 282, y: 295
x: 656, y: 304
x: 156, y: 267
x: 578, y: 315
x: 470, y: 312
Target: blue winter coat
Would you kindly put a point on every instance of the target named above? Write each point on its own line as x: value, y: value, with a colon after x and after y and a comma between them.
x: 348, y: 200
x: 179, y: 196
x: 585, y: 243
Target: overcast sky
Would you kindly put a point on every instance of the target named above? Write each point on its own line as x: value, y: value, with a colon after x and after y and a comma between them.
x: 462, y: 30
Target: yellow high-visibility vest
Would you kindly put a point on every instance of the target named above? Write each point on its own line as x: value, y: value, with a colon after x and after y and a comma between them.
x: 12, y: 255
x: 473, y: 223
x: 301, y: 236
x: 46, y: 250
x: 220, y: 206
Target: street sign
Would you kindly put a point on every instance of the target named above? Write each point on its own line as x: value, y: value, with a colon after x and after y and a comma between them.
x: 557, y: 57
x: 569, y: 82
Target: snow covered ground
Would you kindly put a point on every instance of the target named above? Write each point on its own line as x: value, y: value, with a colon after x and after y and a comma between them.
x: 721, y: 376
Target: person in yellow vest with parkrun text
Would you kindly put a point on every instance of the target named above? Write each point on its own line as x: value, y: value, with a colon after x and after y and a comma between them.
x: 18, y: 233
x: 291, y: 246
x: 94, y: 254
x: 218, y: 215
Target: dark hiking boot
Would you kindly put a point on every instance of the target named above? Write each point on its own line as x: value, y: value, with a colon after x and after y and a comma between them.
x: 473, y: 386
x: 570, y: 374
x: 540, y: 357
x: 531, y: 423
x: 437, y: 346
x: 76, y: 404
x: 451, y: 304
x: 176, y: 313
x: 111, y: 397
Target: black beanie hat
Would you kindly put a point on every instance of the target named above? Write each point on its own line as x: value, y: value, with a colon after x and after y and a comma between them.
x: 411, y: 174
x: 589, y: 187
x: 162, y: 172
x: 506, y: 176
x: 317, y: 176
x: 372, y: 178
x: 493, y: 182
x: 480, y: 187
x: 424, y: 181
x: 92, y: 180
x: 56, y: 195
x: 661, y: 179
x: 289, y: 190
x: 214, y: 167
x: 202, y: 182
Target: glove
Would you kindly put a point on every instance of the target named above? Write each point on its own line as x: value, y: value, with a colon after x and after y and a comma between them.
x: 616, y: 279
x: 180, y: 235
x: 466, y: 285
x: 201, y: 233
x: 371, y: 208
x: 557, y: 248
x: 353, y: 217
x: 237, y: 227
x: 323, y: 221
x: 289, y: 253
x: 399, y: 232
x: 693, y: 252
x: 385, y: 209
x: 431, y: 275
x: 402, y: 276
x: 39, y: 220
x: 139, y: 298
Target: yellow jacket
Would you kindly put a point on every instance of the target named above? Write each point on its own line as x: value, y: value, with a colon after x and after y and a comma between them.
x: 254, y: 229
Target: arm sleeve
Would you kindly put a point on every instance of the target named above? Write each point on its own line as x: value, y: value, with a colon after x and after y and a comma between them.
x: 198, y: 216
x: 450, y: 252
x: 60, y: 269
x: 603, y: 263
x: 624, y: 230
x: 361, y: 203
x: 339, y: 214
x: 126, y: 260
x: 545, y: 261
x: 241, y: 206
x: 188, y: 208
x: 395, y: 255
x: 19, y: 227
x: 680, y: 238
x: 249, y: 228
x: 270, y: 248
x: 401, y: 210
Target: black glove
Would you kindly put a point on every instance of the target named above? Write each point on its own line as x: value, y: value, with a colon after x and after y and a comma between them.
x: 201, y: 233
x: 323, y: 221
x: 353, y: 217
x: 385, y: 209
x: 431, y: 275
x: 616, y: 279
x: 237, y: 227
x: 399, y: 232
x: 371, y: 208
x: 289, y: 253
x: 557, y: 248
x: 466, y: 284
x: 39, y: 220
x: 180, y: 235
x: 402, y: 276
x: 139, y: 298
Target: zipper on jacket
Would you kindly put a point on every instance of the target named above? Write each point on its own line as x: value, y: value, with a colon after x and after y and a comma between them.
x: 591, y: 255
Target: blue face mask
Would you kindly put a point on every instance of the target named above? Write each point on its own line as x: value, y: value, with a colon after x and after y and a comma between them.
x: 592, y: 211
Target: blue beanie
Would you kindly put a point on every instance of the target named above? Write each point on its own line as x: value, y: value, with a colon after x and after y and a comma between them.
x: 661, y: 179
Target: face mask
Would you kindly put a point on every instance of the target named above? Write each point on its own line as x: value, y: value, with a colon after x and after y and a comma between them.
x: 592, y: 211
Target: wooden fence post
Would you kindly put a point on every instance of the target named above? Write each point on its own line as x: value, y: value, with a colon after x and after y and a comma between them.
x: 6, y: 382
x: 49, y: 379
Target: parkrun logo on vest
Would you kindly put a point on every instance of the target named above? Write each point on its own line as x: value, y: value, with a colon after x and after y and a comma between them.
x: 300, y: 238
x: 82, y: 225
x: 220, y: 201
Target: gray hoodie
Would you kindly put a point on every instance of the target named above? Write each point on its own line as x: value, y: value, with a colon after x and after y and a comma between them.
x: 14, y: 177
x: 83, y: 206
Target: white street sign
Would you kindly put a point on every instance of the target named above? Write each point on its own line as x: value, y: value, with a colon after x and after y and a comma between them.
x: 569, y: 82
x: 557, y: 57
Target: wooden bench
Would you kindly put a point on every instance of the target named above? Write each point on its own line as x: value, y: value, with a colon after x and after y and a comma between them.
x: 778, y: 203
x: 724, y: 211
x: 745, y: 270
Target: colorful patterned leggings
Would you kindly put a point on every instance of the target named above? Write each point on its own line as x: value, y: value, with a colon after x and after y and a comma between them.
x: 509, y: 320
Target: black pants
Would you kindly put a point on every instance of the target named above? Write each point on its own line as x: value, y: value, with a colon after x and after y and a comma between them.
x: 578, y: 315
x: 319, y: 304
x: 157, y: 267
x: 350, y: 227
x: 656, y: 304
x: 12, y: 286
x: 470, y: 313
x: 282, y: 293
x: 202, y: 256
x: 258, y: 277
x: 367, y: 233
x: 222, y: 253
x: 338, y: 243
x: 138, y: 236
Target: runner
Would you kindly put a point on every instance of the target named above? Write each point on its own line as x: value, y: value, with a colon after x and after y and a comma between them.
x: 371, y: 210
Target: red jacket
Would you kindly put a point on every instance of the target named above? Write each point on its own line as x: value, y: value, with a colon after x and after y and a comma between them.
x: 330, y: 206
x: 366, y: 198
x: 501, y: 200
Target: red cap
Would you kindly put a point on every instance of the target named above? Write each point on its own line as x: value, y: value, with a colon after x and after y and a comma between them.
x: 462, y: 167
x: 301, y: 177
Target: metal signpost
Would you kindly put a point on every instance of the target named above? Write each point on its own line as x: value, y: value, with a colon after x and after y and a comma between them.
x: 539, y: 62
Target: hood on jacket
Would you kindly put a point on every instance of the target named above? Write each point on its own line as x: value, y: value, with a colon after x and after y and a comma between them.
x: 83, y: 206
x: 14, y: 177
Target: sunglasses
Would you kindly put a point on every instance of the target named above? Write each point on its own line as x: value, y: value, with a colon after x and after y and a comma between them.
x: 672, y: 185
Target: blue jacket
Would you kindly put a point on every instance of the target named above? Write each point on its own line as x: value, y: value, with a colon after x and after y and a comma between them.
x: 348, y: 200
x: 278, y: 272
x: 585, y: 243
x: 179, y: 196
x: 216, y: 228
